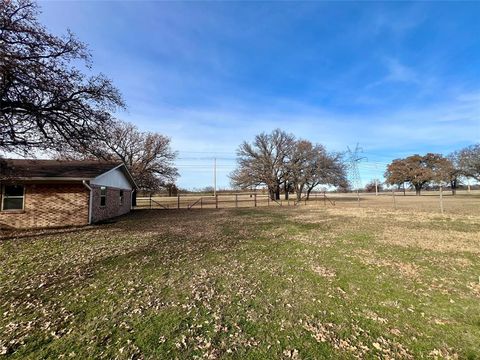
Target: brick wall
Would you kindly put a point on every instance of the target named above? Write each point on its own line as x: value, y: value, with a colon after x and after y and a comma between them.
x: 50, y: 205
x: 112, y: 207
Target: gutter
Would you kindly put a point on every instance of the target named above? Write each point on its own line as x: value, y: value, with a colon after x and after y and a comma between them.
x: 89, y: 201
x: 49, y: 178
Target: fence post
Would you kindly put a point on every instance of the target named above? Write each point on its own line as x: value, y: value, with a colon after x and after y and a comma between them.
x: 236, y: 200
x: 216, y: 201
x: 255, y: 199
x: 441, y: 199
x: 268, y: 200
x: 178, y: 201
x: 201, y: 203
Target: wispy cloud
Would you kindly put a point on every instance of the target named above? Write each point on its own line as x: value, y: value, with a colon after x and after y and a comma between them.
x: 219, y: 130
x: 396, y: 72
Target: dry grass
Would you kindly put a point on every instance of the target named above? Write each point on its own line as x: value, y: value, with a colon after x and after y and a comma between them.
x: 461, y: 204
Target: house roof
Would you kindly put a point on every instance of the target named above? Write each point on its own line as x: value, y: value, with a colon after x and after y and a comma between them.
x: 29, y: 169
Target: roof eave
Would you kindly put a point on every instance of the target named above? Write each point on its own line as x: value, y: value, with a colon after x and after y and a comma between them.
x: 45, y: 178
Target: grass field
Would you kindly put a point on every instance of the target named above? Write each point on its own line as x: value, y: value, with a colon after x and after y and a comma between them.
x: 301, y: 283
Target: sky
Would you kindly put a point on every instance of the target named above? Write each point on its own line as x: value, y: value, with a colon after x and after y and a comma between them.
x: 397, y: 78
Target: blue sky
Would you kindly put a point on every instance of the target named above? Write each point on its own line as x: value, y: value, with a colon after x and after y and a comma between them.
x: 397, y: 77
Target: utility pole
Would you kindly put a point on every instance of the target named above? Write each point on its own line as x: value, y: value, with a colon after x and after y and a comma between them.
x: 214, y: 176
x: 441, y: 198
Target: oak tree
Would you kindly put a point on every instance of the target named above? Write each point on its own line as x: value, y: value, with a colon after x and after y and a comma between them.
x: 147, y: 155
x: 311, y: 165
x: 418, y: 170
x: 278, y: 159
x: 264, y: 162
x: 469, y: 161
x: 47, y: 100
x: 328, y: 169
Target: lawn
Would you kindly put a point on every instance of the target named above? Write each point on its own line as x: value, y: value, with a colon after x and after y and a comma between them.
x: 302, y: 283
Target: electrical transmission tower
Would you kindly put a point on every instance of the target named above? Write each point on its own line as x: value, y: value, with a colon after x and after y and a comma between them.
x: 353, y: 160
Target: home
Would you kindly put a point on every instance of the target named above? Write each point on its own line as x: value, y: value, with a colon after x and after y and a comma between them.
x: 54, y: 193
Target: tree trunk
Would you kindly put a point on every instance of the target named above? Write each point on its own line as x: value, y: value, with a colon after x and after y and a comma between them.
x: 299, y: 193
x: 404, y: 190
x: 309, y: 190
x: 271, y: 193
x: 453, y: 186
x: 285, y: 189
x: 277, y: 193
x: 418, y: 189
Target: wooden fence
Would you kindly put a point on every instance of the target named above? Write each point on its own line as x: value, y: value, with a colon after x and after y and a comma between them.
x: 241, y: 200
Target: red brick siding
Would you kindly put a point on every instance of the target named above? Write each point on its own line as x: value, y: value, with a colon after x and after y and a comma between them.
x: 112, y: 207
x: 50, y: 205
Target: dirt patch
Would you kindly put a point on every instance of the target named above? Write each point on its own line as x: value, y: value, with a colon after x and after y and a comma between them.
x: 475, y: 287
x: 323, y: 271
x: 429, y: 239
x: 405, y: 269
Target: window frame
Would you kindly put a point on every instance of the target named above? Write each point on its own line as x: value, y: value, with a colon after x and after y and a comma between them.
x: 103, y: 196
x: 122, y: 196
x: 3, y: 197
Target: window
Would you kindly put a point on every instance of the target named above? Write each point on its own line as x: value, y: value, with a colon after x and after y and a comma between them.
x: 13, y: 196
x: 103, y: 195
x: 121, y: 197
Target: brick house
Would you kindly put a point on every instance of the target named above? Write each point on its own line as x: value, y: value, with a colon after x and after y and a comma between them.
x: 53, y: 193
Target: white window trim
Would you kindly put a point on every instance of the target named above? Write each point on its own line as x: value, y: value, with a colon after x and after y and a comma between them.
x: 105, y: 196
x: 13, y: 197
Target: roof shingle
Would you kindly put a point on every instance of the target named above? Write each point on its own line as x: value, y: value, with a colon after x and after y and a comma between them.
x: 76, y: 169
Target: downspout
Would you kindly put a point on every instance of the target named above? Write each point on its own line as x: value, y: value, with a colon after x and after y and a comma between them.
x: 84, y: 182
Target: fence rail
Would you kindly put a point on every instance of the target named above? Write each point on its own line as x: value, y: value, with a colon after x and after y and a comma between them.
x: 241, y: 200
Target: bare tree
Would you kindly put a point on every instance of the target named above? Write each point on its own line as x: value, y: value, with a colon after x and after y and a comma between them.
x: 300, y: 166
x: 46, y: 101
x: 310, y: 165
x: 373, y: 186
x: 278, y: 159
x: 454, y: 171
x: 469, y: 161
x: 264, y: 162
x: 147, y: 155
x: 328, y: 169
